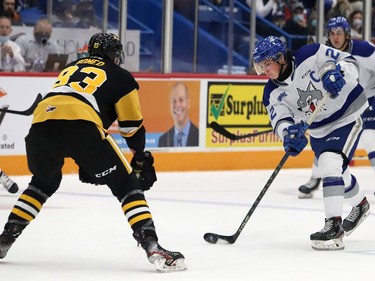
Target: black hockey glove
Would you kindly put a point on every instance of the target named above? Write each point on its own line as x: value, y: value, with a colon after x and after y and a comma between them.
x: 85, y: 177
x: 143, y: 167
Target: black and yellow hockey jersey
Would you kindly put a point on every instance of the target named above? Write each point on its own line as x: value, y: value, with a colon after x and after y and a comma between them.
x: 95, y: 90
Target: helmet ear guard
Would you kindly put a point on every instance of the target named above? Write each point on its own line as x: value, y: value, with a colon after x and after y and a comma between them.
x: 107, y: 46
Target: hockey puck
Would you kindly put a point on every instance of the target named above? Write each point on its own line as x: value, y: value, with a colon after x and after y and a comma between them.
x: 211, y: 238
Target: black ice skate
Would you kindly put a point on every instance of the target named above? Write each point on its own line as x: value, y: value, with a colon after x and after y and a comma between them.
x: 7, y: 238
x: 356, y: 216
x: 330, y: 237
x: 164, y: 260
x: 307, y: 190
x: 7, y: 183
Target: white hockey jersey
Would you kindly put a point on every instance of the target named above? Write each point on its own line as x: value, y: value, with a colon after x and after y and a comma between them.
x: 364, y: 53
x: 295, y: 98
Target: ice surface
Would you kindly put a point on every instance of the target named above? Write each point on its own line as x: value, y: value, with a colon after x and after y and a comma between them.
x: 82, y: 234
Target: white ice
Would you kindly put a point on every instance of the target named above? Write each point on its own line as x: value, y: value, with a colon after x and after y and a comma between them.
x: 82, y: 234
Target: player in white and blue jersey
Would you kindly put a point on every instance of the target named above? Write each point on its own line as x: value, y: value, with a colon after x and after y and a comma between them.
x: 338, y: 33
x: 296, y: 86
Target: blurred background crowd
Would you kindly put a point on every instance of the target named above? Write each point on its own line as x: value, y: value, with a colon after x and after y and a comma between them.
x: 201, y: 29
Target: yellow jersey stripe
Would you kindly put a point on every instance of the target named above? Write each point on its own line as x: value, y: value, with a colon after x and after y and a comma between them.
x: 22, y: 214
x: 139, y: 218
x: 31, y: 200
x: 133, y: 204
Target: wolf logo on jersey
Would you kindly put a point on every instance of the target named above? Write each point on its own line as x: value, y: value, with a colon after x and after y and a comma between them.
x: 308, y: 100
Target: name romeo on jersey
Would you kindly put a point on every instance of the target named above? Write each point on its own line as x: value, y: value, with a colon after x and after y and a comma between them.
x: 297, y: 96
x: 87, y: 89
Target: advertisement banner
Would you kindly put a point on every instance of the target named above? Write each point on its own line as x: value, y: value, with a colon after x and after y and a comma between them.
x: 238, y: 107
x: 168, y: 105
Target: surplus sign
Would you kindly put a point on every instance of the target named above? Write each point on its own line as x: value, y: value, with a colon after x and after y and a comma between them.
x: 239, y: 108
x: 236, y: 105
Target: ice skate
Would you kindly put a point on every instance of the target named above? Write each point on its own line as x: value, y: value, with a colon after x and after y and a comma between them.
x: 7, y: 238
x: 164, y: 260
x: 307, y: 190
x: 356, y: 216
x: 330, y: 237
x: 7, y: 183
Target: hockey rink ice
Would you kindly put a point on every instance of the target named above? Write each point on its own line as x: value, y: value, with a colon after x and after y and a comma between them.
x: 82, y: 234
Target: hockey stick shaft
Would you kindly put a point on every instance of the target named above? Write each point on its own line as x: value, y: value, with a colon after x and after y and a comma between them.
x: 26, y: 112
x: 233, y: 238
x: 221, y: 130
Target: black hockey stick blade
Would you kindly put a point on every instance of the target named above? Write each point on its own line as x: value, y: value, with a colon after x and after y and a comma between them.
x: 221, y: 130
x: 213, y: 238
x: 26, y: 112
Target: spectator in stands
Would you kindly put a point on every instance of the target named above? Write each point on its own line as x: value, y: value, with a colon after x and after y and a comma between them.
x: 342, y: 9
x: 356, y: 22
x: 62, y: 15
x: 297, y: 25
x: 9, y: 48
x: 86, y: 15
x: 8, y: 8
x: 279, y: 19
x: 36, y: 48
x: 356, y: 5
x: 268, y: 9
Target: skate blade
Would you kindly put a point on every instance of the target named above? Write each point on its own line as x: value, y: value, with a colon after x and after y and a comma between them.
x: 177, y: 265
x: 329, y: 245
x: 347, y: 233
x: 302, y: 195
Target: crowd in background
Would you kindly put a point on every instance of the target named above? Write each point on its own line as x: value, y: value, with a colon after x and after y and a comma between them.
x: 29, y: 52
x: 295, y: 17
x: 300, y: 17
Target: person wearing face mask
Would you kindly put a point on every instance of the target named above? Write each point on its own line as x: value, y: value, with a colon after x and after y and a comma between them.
x: 9, y: 48
x: 297, y: 25
x: 356, y: 22
x: 38, y: 45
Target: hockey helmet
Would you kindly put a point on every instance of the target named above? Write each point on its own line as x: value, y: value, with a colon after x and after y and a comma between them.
x: 269, y: 48
x: 337, y: 23
x: 107, y: 46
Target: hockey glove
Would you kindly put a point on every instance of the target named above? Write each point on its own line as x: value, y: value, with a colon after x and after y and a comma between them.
x: 85, y: 177
x: 295, y: 139
x: 143, y: 167
x: 333, y: 79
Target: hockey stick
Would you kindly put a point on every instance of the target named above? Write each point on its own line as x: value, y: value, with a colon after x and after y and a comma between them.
x: 213, y: 238
x: 221, y: 130
x: 26, y: 112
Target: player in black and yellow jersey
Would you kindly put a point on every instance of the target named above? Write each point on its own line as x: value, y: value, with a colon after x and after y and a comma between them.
x: 71, y: 121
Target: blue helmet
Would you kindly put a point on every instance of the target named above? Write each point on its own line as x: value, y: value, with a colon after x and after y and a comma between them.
x: 338, y: 22
x: 268, y: 48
